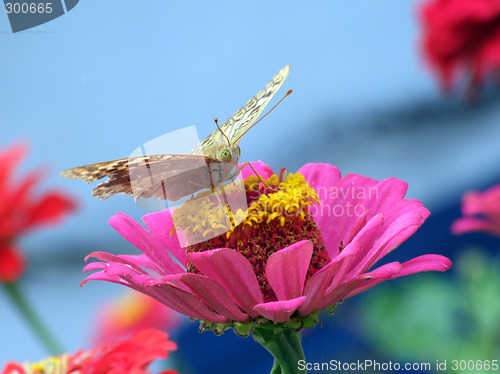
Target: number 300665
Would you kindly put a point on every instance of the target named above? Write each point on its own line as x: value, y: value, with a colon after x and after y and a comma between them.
x: 28, y: 8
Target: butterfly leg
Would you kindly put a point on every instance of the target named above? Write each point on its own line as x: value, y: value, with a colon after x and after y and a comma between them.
x: 257, y: 174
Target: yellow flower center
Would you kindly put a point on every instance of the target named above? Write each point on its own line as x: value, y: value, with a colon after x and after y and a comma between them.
x: 278, y: 216
x: 51, y: 365
x: 291, y: 198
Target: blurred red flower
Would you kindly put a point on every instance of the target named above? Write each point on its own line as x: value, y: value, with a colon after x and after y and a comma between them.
x: 130, y: 313
x: 21, y: 210
x: 131, y: 356
x: 461, y: 37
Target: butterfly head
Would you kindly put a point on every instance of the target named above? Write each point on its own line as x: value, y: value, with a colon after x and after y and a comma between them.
x: 229, y: 154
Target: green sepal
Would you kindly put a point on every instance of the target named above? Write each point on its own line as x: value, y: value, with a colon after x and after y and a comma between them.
x: 311, y: 320
x: 243, y: 329
x: 295, y: 324
x: 220, y: 328
x: 331, y: 308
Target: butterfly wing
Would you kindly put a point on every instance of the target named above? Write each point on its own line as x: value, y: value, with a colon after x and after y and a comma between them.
x: 236, y: 126
x: 161, y: 176
x: 175, y: 176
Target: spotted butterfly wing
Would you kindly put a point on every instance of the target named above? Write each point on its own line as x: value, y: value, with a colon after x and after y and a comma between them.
x: 243, y: 120
x: 159, y: 176
x: 173, y: 176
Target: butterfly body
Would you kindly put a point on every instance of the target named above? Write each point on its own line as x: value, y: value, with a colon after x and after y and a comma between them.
x: 173, y: 176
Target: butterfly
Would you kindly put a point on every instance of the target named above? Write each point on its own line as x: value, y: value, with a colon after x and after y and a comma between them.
x: 174, y: 176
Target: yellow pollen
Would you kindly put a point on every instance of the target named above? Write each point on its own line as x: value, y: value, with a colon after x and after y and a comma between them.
x: 275, y: 201
x: 51, y: 365
x: 293, y: 195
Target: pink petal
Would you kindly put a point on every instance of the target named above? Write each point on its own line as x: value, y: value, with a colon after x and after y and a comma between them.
x: 338, y: 293
x: 160, y: 224
x: 342, y: 291
x: 286, y: 270
x: 470, y: 224
x: 260, y: 167
x: 384, y: 195
x: 408, y: 217
x: 233, y: 271
x: 349, y: 255
x: 116, y: 273
x: 377, y: 276
x: 95, y: 266
x: 359, y: 197
x: 102, y: 276
x: 385, y: 271
x: 279, y: 311
x: 425, y: 263
x: 316, y: 287
x: 487, y: 202
x: 395, y: 233
x: 364, y: 239
x: 342, y: 196
x: 125, y: 272
x: 184, y: 302
x: 143, y: 261
x: 213, y: 295
x: 111, y: 259
x: 144, y: 241
x: 173, y: 280
x: 319, y: 282
x: 361, y: 223
x: 323, y: 177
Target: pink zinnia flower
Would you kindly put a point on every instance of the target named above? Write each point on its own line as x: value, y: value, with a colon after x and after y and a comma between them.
x: 131, y: 356
x: 481, y: 211
x: 290, y: 257
x: 21, y: 211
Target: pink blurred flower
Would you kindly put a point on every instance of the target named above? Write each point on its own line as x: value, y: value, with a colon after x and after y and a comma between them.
x: 131, y: 313
x: 131, y: 356
x: 461, y: 37
x: 277, y: 264
x: 21, y: 211
x: 481, y: 212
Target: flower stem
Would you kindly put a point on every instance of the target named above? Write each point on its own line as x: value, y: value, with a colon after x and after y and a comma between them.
x: 32, y: 319
x: 285, y: 346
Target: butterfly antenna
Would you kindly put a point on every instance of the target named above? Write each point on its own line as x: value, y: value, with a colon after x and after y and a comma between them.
x: 270, y: 110
x: 222, y: 132
x: 258, y: 176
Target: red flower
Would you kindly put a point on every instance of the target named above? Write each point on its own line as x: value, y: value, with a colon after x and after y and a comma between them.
x: 20, y: 211
x: 462, y: 36
x: 131, y: 356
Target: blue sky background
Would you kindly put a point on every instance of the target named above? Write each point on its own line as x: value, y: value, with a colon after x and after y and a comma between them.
x: 111, y: 75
